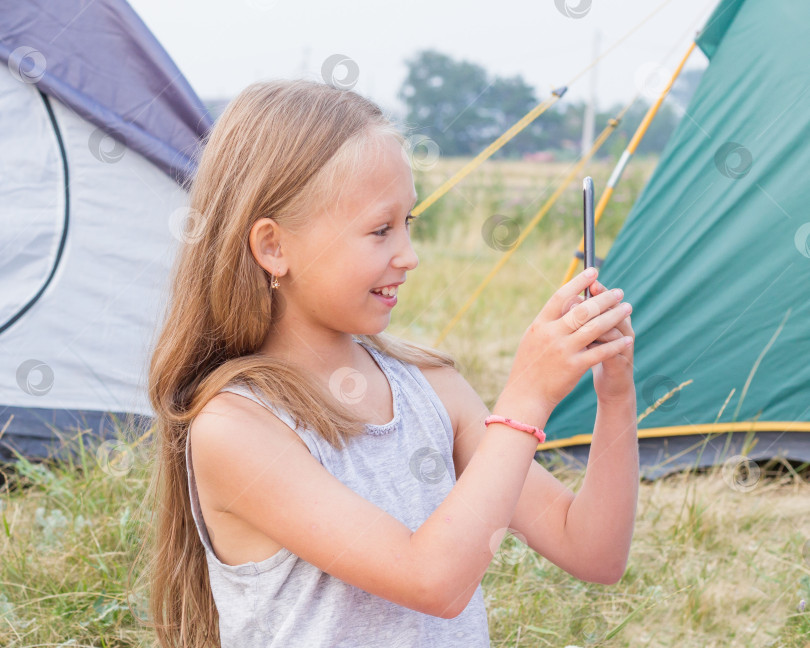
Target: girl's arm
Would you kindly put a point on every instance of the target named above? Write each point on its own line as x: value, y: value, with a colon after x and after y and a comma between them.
x: 255, y: 467
x: 601, y: 517
x: 459, y: 539
x: 587, y: 534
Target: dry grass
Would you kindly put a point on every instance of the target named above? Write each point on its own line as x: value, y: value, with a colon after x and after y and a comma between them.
x: 709, y: 566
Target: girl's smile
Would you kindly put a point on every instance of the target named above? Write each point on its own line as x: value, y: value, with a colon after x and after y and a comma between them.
x: 388, y: 294
x: 385, y: 299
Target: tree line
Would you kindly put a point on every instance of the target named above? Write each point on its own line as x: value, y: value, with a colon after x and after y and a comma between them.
x: 463, y: 109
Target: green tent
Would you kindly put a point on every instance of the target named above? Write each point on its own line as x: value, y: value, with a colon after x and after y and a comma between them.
x: 715, y: 258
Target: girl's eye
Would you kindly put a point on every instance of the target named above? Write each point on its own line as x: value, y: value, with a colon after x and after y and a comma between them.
x: 384, y: 230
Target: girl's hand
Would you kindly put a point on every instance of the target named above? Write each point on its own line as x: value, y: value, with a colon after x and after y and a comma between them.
x: 613, y: 377
x: 558, y: 347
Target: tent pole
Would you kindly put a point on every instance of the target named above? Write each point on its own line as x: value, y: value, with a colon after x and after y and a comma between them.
x: 625, y: 158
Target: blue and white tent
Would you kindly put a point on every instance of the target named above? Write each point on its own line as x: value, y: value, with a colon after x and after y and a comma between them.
x: 98, y: 130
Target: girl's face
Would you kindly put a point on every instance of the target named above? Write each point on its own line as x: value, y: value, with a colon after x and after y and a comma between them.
x: 359, y: 244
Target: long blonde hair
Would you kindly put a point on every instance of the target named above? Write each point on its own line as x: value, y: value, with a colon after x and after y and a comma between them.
x: 279, y: 150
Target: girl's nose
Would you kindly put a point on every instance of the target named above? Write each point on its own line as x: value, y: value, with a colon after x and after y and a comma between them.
x: 407, y: 257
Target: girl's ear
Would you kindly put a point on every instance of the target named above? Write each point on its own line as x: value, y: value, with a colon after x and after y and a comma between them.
x: 265, y: 244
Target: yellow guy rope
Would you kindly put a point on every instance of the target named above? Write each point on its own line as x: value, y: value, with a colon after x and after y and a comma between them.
x: 473, y: 164
x: 625, y: 158
x: 575, y: 171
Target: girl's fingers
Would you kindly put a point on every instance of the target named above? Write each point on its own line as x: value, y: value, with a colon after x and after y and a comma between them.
x: 624, y: 327
x: 596, y: 353
x: 608, y: 336
x: 571, y: 302
x: 621, y: 329
x: 612, y: 334
x: 561, y: 300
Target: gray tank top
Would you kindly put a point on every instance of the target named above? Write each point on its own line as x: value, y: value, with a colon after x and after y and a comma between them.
x: 406, y: 468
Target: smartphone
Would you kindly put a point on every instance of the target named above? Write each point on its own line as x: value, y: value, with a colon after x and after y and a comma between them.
x: 587, y: 226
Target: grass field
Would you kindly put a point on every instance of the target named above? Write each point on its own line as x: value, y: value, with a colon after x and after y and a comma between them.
x: 711, y: 565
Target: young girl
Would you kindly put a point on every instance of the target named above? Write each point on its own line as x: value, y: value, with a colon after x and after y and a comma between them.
x: 320, y: 483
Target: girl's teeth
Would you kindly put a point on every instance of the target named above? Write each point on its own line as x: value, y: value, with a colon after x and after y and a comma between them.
x: 388, y: 292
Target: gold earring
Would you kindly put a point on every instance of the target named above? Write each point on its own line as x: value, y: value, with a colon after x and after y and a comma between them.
x: 274, y: 282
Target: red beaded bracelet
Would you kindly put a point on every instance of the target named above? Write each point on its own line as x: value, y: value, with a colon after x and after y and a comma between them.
x: 523, y: 427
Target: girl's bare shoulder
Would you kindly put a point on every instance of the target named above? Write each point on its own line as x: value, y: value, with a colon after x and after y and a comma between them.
x: 230, y: 411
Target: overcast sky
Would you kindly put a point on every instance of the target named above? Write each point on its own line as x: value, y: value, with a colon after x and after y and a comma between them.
x: 223, y: 46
